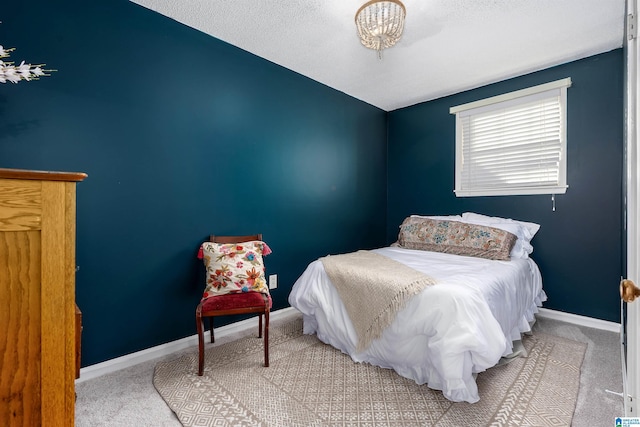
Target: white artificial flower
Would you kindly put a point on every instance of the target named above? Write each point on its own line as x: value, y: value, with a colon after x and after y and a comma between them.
x: 11, y: 75
x: 24, y: 70
x: 9, y: 72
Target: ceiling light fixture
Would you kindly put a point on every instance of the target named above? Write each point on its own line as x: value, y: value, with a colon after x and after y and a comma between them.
x: 380, y: 24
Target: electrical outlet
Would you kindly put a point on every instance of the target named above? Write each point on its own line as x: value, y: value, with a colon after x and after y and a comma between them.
x: 273, y: 281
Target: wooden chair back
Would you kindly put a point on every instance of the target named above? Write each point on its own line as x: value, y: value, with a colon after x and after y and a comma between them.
x: 234, y: 239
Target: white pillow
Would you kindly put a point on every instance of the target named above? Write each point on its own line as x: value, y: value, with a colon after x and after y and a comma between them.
x: 531, y: 226
x: 524, y: 230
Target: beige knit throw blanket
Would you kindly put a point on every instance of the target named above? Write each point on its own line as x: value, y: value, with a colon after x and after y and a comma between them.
x: 373, y: 289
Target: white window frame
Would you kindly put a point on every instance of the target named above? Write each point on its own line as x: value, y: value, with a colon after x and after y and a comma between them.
x: 556, y: 89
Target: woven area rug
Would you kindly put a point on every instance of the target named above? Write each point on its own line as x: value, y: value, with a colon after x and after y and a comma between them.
x: 312, y: 384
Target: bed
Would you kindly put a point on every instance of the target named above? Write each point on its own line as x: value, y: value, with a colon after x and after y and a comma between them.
x: 462, y: 322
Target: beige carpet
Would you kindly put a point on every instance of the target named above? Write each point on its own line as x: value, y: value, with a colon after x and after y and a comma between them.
x: 312, y: 384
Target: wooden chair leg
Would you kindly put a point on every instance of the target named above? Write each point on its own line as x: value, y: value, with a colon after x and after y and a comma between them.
x: 266, y: 338
x: 259, y: 325
x: 200, y: 344
x: 213, y: 338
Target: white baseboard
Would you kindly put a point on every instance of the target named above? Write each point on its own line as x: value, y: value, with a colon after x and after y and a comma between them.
x: 576, y: 319
x: 126, y: 361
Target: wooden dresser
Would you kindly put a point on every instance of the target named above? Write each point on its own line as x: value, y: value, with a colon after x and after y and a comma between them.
x: 37, y: 297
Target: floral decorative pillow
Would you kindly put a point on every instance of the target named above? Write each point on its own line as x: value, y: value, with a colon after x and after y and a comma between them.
x: 455, y: 237
x: 234, y: 267
x: 523, y: 230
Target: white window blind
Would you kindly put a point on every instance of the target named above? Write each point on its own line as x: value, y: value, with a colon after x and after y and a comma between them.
x: 513, y: 143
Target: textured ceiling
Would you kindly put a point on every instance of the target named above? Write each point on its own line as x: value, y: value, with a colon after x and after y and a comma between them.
x: 448, y: 46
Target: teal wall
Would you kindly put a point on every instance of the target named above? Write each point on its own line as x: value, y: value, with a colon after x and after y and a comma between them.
x: 579, y: 246
x: 182, y: 135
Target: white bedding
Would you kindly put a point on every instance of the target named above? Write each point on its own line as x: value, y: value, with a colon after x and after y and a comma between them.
x: 448, y: 332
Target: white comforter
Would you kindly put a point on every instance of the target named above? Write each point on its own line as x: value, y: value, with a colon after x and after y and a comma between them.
x: 448, y: 332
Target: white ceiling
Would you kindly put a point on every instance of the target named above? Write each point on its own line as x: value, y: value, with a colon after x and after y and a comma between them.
x: 448, y: 46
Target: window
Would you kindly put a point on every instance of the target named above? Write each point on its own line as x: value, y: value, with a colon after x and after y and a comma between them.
x: 513, y: 143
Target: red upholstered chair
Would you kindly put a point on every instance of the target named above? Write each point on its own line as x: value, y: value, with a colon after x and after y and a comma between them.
x: 232, y: 304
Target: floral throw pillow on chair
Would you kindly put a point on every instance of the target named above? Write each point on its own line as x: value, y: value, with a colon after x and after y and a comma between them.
x: 234, y: 267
